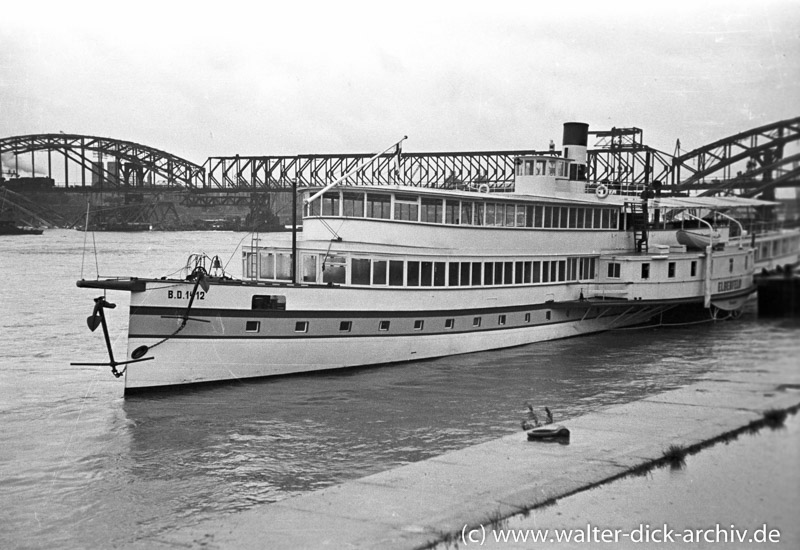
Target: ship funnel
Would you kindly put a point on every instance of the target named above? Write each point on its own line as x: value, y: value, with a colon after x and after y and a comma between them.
x: 574, y: 142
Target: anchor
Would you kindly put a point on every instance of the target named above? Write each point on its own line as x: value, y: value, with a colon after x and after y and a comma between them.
x: 199, y: 276
x: 98, y: 318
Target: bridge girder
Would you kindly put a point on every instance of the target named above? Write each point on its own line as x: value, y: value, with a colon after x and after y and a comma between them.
x: 759, y: 147
x: 133, y: 160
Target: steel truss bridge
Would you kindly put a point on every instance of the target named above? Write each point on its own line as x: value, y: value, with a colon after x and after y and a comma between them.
x: 748, y: 164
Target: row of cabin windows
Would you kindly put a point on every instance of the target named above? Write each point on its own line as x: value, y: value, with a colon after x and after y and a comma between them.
x: 414, y: 273
x: 614, y: 269
x: 458, y: 212
x: 384, y: 326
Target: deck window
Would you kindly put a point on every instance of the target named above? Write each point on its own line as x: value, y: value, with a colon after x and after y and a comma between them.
x: 479, y: 208
x: 645, y: 270
x: 353, y: 205
x: 452, y: 274
x: 528, y: 271
x: 330, y: 204
x: 546, y: 271
x: 490, y: 214
x: 563, y: 223
x: 586, y: 267
x: 267, y: 270
x: 406, y: 208
x: 379, y: 206
x: 301, y: 326
x: 538, y: 216
x: 548, y: 216
x: 498, y: 273
x: 466, y: 213
x: 439, y: 269
x: 488, y: 273
x: 431, y: 211
x: 537, y: 272
x: 671, y: 270
x: 379, y: 272
x: 451, y: 211
x: 426, y: 277
x: 613, y: 270
x: 334, y: 270
x: 396, y: 273
x: 283, y: 266
x: 510, y: 216
x: 562, y: 270
x: 466, y: 268
x: 360, y: 269
x: 252, y: 326
x: 313, y: 208
x: 413, y: 274
x: 508, y: 273
x: 309, y: 268
x: 476, y: 274
x: 518, y: 268
x: 270, y: 302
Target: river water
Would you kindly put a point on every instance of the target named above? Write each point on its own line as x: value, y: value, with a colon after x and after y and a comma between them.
x: 82, y: 467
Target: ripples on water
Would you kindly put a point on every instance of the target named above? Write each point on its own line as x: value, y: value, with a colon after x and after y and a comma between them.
x: 82, y: 467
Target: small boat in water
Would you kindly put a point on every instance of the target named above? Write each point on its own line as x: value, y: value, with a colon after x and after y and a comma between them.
x: 386, y: 273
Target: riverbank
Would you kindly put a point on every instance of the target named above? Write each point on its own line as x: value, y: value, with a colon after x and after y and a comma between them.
x: 430, y: 502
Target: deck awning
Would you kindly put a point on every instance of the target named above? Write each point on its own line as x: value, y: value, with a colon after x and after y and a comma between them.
x: 713, y: 203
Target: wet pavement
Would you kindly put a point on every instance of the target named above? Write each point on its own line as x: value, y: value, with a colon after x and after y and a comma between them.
x: 445, y: 499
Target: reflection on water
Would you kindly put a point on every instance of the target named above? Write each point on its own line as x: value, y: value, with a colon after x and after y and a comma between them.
x: 83, y: 467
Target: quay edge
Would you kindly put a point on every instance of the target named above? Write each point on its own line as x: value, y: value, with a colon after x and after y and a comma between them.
x: 422, y: 504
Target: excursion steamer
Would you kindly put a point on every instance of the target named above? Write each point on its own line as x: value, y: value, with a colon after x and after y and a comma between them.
x: 384, y: 274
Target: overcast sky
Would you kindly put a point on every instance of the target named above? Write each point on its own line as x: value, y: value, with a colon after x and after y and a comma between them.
x: 228, y: 77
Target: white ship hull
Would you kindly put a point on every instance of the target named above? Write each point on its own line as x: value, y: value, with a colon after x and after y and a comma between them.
x: 189, y: 361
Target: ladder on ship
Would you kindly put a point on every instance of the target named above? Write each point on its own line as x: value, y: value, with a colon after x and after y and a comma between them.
x: 638, y: 224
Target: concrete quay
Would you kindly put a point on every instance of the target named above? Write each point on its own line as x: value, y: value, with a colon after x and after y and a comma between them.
x: 430, y: 502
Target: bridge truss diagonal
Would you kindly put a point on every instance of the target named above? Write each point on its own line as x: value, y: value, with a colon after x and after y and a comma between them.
x: 109, y: 163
